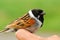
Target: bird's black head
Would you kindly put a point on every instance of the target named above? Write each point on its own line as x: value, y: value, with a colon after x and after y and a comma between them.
x: 39, y: 14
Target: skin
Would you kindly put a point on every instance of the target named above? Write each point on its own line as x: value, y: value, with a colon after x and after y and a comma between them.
x: 23, y: 34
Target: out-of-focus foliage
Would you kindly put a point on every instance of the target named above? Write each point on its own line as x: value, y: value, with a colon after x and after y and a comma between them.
x: 12, y: 9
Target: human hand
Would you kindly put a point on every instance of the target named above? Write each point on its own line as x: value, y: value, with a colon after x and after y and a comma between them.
x: 23, y: 34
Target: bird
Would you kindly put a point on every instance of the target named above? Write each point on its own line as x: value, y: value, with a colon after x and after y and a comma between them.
x: 31, y: 21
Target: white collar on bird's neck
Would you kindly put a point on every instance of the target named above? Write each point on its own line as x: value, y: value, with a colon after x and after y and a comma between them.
x: 31, y: 15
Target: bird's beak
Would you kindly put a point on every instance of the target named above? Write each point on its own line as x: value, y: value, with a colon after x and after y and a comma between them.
x: 43, y: 13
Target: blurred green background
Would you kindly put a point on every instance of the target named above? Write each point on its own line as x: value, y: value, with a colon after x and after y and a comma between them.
x: 12, y: 9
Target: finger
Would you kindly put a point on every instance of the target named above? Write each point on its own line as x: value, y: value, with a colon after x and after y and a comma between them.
x: 25, y: 35
x: 54, y: 37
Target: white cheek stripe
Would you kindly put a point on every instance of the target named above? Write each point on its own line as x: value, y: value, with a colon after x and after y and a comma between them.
x: 31, y: 15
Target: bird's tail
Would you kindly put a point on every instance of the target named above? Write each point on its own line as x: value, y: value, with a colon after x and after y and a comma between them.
x: 4, y: 30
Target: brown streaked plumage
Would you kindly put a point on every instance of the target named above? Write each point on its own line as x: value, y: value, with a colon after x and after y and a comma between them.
x: 31, y: 21
x: 21, y: 23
